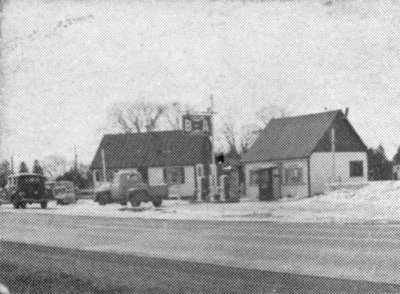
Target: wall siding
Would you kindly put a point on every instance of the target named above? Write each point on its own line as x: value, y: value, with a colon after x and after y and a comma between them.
x: 156, y: 176
x: 187, y: 189
x: 321, y: 169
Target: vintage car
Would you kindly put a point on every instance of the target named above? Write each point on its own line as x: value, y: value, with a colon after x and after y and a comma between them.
x: 62, y: 191
x: 26, y: 188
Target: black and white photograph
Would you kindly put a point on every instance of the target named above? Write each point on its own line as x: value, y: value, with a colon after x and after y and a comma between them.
x: 200, y: 146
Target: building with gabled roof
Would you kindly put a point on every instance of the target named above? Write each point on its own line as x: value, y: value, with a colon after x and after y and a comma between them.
x: 168, y: 157
x: 299, y: 156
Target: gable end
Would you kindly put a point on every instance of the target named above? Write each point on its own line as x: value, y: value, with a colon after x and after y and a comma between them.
x: 346, y: 138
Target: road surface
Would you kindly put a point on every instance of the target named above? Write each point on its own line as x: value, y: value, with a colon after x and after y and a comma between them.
x: 359, y: 252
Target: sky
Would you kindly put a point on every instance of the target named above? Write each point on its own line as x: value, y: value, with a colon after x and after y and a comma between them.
x: 66, y: 61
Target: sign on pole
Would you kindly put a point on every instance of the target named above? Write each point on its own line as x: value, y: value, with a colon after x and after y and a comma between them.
x: 203, y: 124
x: 197, y: 124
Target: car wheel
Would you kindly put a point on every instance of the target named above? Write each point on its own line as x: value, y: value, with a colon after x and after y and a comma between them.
x: 43, y: 204
x: 22, y: 205
x: 102, y: 199
x: 16, y: 205
x: 134, y: 201
x: 157, y: 202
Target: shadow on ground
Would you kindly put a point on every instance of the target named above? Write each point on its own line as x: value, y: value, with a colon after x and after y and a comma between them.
x: 135, y: 209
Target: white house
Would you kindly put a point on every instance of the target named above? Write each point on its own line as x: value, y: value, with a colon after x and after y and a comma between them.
x: 170, y: 157
x: 299, y: 156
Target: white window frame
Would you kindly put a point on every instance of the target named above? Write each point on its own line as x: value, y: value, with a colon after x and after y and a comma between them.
x: 294, y: 180
x: 167, y: 178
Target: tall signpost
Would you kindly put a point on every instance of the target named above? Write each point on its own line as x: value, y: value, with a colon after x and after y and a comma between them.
x: 213, y: 174
x: 333, y: 155
x: 202, y: 123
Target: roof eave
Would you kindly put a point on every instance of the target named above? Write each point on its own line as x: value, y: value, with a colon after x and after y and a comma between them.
x: 277, y: 159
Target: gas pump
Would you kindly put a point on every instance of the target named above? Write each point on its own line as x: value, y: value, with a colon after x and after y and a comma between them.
x: 223, y: 188
x: 199, y: 182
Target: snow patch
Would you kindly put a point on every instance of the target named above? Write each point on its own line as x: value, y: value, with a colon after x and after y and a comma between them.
x: 378, y: 202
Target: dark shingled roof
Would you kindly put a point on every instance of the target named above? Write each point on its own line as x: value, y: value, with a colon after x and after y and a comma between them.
x: 153, y: 149
x: 290, y: 137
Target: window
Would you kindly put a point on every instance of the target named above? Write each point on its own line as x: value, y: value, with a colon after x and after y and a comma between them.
x: 253, y: 176
x: 356, y: 169
x: 174, y: 175
x: 294, y: 176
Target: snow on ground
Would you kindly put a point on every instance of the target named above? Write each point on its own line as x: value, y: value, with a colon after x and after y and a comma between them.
x: 377, y: 202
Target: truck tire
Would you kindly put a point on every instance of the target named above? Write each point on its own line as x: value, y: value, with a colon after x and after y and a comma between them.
x: 102, y: 198
x: 157, y: 202
x: 43, y: 204
x: 134, y: 202
x: 137, y: 198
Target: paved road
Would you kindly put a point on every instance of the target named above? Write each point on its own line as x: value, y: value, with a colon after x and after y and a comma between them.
x: 364, y: 252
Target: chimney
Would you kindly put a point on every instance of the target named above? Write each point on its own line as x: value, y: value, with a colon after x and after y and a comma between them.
x: 346, y: 113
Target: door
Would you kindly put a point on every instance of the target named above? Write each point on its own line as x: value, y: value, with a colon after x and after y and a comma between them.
x: 265, y: 184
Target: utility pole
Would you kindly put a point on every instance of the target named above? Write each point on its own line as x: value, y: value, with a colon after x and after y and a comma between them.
x: 333, y: 155
x: 103, y: 159
x: 75, y: 167
x: 75, y: 159
x: 213, y: 174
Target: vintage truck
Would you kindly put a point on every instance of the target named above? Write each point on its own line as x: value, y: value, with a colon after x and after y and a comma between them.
x: 62, y: 191
x: 26, y: 188
x: 128, y: 186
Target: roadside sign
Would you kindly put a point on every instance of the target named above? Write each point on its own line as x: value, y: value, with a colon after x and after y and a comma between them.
x: 197, y: 124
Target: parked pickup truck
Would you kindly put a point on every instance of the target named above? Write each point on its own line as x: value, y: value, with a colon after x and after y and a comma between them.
x: 130, y: 187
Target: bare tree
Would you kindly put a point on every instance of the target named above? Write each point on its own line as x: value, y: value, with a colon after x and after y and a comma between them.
x: 54, y: 165
x: 248, y: 135
x: 173, y: 114
x: 271, y: 111
x: 136, y: 117
x: 238, y: 138
x: 229, y: 134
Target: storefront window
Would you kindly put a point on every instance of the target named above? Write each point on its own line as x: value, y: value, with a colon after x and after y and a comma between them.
x: 294, y: 176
